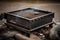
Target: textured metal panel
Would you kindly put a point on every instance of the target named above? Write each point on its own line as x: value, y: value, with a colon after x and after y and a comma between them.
x: 43, y: 17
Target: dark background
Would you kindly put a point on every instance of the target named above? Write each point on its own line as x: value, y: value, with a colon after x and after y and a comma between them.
x: 43, y: 1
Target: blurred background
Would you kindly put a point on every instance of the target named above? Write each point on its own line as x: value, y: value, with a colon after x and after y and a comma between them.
x: 47, y: 5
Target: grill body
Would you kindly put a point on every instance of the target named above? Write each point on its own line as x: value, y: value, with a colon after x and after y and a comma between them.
x: 27, y: 23
x: 33, y: 22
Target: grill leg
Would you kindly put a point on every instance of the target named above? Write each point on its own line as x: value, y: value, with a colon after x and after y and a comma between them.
x: 51, y: 25
x: 28, y: 35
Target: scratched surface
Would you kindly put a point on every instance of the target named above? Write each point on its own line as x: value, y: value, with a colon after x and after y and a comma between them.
x: 28, y: 14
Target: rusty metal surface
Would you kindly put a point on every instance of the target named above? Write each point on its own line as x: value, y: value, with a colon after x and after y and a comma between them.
x: 29, y: 14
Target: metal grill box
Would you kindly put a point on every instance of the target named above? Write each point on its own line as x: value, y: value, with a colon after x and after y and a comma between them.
x: 29, y: 18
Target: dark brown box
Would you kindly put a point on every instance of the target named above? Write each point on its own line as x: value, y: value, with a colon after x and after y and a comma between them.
x: 29, y: 18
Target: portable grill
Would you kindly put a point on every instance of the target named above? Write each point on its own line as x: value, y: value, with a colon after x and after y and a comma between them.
x: 28, y: 19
